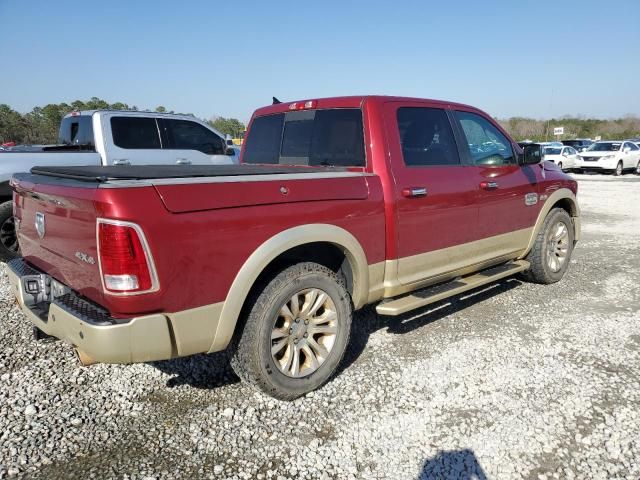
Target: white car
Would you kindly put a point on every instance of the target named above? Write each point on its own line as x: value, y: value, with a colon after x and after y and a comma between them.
x: 611, y: 156
x: 566, y: 158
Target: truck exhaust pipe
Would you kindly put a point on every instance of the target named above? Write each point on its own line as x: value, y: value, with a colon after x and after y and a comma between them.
x: 84, y: 359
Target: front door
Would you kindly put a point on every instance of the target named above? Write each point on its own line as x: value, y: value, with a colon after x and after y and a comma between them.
x: 436, y: 213
x: 507, y: 193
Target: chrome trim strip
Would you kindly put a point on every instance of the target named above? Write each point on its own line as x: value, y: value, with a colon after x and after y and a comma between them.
x: 230, y: 179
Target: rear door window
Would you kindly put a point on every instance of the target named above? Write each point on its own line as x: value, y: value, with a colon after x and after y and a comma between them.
x: 186, y: 135
x: 426, y: 137
x: 308, y: 137
x: 135, y: 133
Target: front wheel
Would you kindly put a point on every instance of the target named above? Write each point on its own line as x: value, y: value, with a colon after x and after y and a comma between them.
x: 638, y: 168
x: 560, y: 165
x: 619, y: 168
x: 551, y: 251
x: 296, y: 332
x: 9, y: 248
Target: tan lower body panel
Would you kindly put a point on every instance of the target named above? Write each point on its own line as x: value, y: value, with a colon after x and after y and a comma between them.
x: 433, y: 264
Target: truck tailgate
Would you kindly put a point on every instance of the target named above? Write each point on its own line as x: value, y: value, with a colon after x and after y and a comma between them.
x: 57, y: 233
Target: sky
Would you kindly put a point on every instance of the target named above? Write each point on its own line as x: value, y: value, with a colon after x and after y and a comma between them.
x: 536, y: 59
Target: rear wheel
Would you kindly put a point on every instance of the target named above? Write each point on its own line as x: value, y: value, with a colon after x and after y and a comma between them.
x: 9, y: 248
x: 619, y: 168
x: 551, y: 251
x: 638, y: 168
x: 296, y: 332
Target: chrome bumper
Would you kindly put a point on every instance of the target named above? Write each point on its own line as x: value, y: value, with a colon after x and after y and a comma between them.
x: 58, y: 311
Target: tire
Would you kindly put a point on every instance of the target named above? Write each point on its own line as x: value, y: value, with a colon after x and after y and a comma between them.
x: 619, y: 169
x: 267, y: 327
x: 543, y: 268
x: 637, y: 172
x: 9, y: 248
x: 560, y: 166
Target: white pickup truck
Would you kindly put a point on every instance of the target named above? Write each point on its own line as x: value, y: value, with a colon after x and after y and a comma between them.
x: 113, y: 137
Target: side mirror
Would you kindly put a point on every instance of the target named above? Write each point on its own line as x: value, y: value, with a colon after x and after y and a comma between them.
x: 627, y: 150
x: 532, y: 154
x: 230, y: 152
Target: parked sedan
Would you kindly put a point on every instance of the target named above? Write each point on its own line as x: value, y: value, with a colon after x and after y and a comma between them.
x: 612, y: 156
x: 566, y: 158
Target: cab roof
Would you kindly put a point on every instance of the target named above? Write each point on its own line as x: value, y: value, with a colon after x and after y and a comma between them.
x: 355, y: 101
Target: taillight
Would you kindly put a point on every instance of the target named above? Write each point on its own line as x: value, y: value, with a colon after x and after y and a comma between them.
x: 126, y: 265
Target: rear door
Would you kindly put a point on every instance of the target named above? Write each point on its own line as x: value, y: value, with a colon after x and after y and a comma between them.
x: 436, y: 213
x: 507, y: 193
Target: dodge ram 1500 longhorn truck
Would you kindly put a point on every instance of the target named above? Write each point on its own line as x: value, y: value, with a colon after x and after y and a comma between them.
x: 112, y: 137
x: 337, y: 203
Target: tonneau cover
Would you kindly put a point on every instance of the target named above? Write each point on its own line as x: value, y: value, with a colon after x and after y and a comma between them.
x: 144, y: 172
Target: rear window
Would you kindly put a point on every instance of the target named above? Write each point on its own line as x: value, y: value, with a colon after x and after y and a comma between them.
x: 308, y: 137
x: 76, y: 130
x: 135, y: 132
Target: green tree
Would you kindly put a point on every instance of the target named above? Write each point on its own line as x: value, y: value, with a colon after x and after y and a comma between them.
x: 161, y: 109
x: 228, y: 126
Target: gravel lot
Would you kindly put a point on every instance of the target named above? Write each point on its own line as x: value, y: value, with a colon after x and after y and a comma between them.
x: 516, y: 380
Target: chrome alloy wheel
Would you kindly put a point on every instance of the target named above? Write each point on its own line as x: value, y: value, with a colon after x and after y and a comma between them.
x: 304, y: 333
x: 557, y: 246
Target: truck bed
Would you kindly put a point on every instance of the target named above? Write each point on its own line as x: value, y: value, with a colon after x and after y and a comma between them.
x: 101, y: 174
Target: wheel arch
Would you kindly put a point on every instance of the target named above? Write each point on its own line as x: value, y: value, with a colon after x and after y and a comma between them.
x: 280, y: 250
x: 561, y: 198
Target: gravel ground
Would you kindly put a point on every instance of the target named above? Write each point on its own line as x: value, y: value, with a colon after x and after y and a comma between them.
x: 514, y: 381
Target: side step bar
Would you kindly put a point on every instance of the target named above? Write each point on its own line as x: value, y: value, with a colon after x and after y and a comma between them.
x: 432, y: 294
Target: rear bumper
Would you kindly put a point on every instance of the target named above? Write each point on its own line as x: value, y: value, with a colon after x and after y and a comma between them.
x: 85, y: 326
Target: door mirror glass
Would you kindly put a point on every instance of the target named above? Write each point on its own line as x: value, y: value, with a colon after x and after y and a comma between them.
x: 532, y: 154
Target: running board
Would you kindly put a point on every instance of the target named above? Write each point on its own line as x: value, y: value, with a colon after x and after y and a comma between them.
x: 432, y: 294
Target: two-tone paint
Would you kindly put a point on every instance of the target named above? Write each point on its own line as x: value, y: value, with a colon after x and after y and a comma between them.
x: 212, y: 238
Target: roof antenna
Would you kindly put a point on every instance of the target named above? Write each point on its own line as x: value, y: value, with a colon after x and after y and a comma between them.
x: 275, y: 101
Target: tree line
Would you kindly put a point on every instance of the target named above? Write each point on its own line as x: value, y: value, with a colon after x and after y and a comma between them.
x: 40, y: 125
x: 522, y: 128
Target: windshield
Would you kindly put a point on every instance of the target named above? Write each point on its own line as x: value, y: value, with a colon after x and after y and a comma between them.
x: 552, y: 151
x: 604, y: 147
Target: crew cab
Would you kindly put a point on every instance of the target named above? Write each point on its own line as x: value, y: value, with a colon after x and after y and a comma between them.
x: 112, y: 137
x: 337, y: 203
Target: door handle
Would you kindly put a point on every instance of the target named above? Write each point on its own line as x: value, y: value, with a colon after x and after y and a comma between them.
x: 121, y: 161
x: 488, y: 185
x: 414, y: 192
x: 183, y: 161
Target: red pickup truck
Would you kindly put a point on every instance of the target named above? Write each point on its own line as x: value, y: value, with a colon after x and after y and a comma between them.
x: 337, y: 203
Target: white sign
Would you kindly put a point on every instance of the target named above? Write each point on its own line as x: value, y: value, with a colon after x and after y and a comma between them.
x: 598, y: 138
x: 558, y: 130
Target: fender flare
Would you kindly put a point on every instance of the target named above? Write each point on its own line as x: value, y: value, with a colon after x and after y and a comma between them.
x: 274, y: 247
x: 550, y: 202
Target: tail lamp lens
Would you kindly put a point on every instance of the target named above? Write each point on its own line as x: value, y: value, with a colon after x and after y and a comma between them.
x: 123, y: 259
